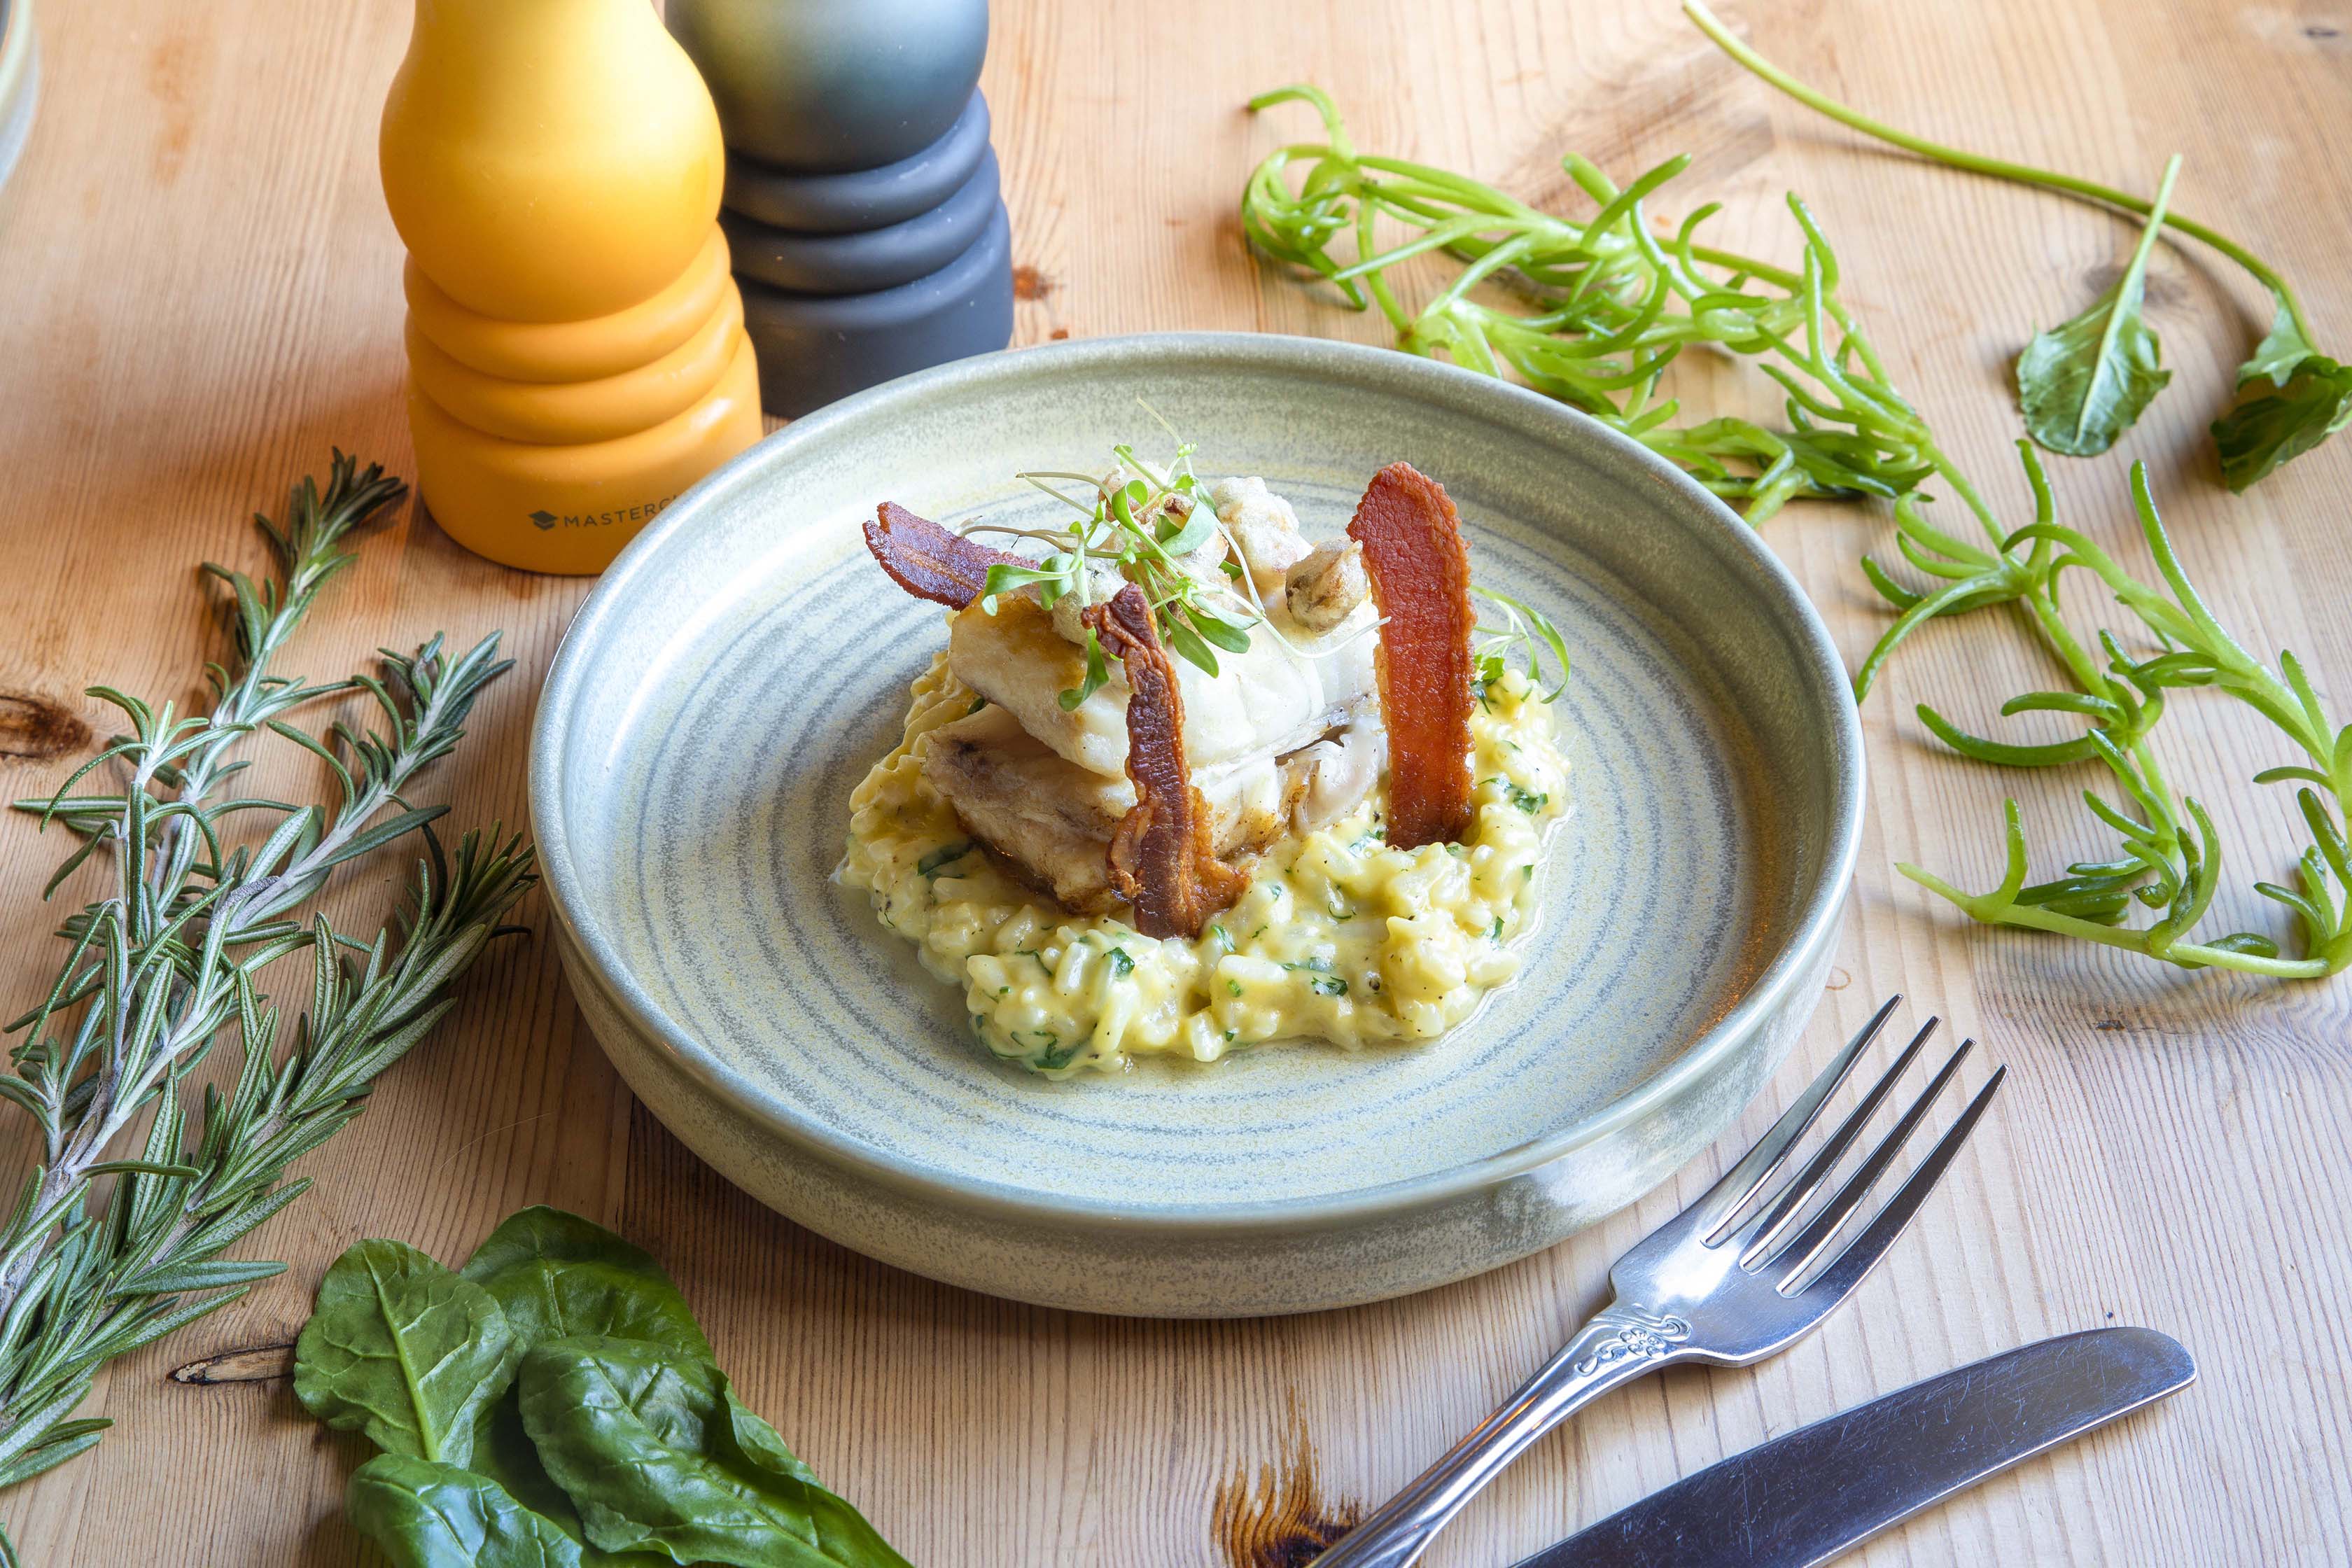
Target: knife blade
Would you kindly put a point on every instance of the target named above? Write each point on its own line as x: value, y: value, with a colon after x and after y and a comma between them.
x: 1804, y: 1497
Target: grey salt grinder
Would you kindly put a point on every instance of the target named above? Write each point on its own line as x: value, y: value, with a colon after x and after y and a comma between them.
x: 862, y: 207
x: 821, y: 86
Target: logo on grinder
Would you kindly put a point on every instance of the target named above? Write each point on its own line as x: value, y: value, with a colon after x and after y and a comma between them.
x: 545, y: 521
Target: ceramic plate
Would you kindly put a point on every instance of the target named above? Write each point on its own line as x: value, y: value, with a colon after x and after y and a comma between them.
x: 744, y: 662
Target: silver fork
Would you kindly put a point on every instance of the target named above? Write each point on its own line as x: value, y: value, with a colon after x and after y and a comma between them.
x: 1739, y: 1275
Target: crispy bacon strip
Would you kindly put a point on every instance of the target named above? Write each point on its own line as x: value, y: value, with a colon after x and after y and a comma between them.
x: 1420, y: 569
x: 930, y: 562
x: 1162, y: 858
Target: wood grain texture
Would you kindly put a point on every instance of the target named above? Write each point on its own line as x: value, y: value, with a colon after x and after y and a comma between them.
x: 202, y: 296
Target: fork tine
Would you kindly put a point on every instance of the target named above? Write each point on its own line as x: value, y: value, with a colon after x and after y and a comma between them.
x: 1756, y: 1167
x: 1863, y: 1252
x: 1807, y: 1182
x: 1815, y: 1238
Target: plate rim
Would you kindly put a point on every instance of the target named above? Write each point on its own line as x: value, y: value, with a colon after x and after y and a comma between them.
x: 1817, y: 923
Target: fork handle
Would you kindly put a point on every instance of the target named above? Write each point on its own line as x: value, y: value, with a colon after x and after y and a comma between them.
x: 1620, y: 1344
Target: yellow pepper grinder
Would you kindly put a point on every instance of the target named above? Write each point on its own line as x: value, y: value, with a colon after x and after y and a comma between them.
x: 575, y: 343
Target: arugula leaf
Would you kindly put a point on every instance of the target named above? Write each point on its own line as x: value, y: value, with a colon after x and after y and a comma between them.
x: 404, y: 1350
x: 424, y: 1514
x: 659, y: 1456
x: 2083, y: 383
x: 556, y: 1275
x: 2282, y: 422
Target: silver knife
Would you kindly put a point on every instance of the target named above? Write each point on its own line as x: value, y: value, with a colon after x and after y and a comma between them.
x: 1804, y: 1497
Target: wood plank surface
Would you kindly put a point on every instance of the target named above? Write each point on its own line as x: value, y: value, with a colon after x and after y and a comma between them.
x: 199, y: 294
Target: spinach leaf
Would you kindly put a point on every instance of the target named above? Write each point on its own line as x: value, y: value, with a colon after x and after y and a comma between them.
x: 503, y: 1454
x: 2083, y: 383
x: 2281, y: 422
x: 424, y: 1514
x: 404, y: 1350
x: 556, y: 1275
x: 659, y: 1456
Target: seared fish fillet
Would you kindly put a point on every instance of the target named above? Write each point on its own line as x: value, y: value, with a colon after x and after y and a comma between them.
x: 1268, y: 700
x: 1053, y: 819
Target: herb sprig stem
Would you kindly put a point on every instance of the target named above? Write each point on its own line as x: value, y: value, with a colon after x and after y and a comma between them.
x: 1609, y: 306
x: 1613, y: 304
x: 2291, y: 397
x: 171, y: 956
x: 1997, y: 168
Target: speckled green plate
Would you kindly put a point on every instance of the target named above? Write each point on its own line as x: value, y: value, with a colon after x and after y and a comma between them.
x: 743, y: 663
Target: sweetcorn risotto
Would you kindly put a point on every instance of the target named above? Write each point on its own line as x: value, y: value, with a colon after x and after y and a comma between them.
x: 1339, y: 938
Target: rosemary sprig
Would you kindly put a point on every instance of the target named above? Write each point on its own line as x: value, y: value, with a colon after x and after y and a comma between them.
x: 1607, y: 306
x: 168, y: 958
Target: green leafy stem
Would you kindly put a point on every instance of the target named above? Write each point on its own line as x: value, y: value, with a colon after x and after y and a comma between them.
x: 1612, y: 305
x: 2293, y: 397
x: 2170, y: 858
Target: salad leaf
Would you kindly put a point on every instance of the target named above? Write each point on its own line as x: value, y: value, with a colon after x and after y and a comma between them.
x: 2083, y: 383
x: 425, y: 1514
x: 503, y: 1454
x: 2283, y: 347
x: 659, y: 1456
x: 2281, y: 421
x: 556, y: 1275
x: 403, y: 1350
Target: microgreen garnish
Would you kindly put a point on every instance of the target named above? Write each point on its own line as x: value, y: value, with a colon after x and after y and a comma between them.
x: 1121, y: 963
x: 1142, y: 524
x: 1098, y: 673
x: 1525, y: 630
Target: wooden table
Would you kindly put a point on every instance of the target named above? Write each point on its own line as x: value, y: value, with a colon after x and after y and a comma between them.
x: 202, y: 295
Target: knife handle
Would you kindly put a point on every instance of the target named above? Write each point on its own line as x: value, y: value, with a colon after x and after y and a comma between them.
x: 1617, y: 1346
